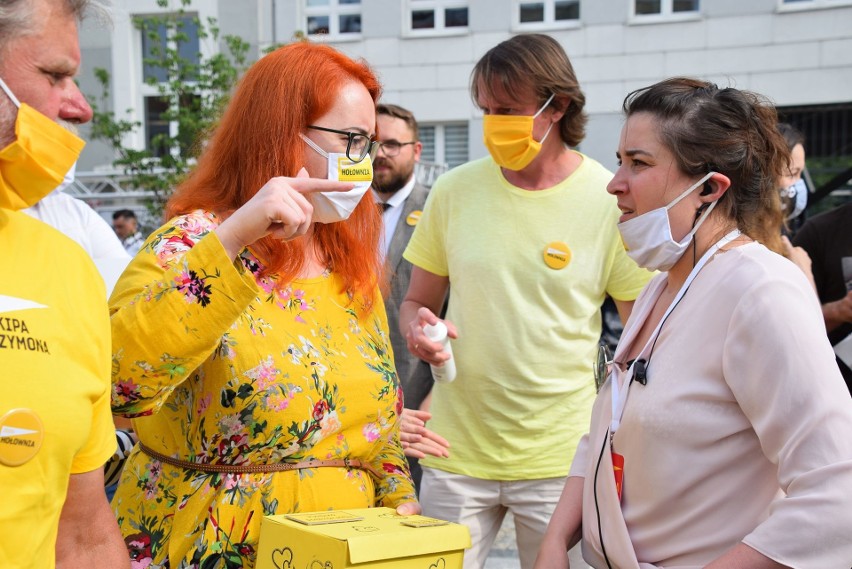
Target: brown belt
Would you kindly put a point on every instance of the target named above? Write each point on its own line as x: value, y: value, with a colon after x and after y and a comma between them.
x: 252, y: 468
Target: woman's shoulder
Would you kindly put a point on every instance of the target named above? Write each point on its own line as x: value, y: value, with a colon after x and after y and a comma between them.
x: 756, y: 260
x: 181, y: 233
x: 194, y: 223
x: 752, y: 268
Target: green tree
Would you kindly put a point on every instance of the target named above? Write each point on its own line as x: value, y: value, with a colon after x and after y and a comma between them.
x: 823, y: 170
x: 192, y: 88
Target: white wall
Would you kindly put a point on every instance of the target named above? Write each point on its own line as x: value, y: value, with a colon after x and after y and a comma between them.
x: 794, y: 56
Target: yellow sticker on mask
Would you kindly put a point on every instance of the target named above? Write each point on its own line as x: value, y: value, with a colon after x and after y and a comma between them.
x: 348, y: 171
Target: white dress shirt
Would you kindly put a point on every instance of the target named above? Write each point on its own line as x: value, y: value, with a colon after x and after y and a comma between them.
x: 81, y: 223
x: 391, y: 215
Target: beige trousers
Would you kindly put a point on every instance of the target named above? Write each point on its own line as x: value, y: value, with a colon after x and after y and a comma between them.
x: 481, y: 505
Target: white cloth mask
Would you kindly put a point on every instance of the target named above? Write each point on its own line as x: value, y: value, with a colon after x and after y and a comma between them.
x: 648, y: 237
x: 70, y: 175
x: 331, y: 207
x: 797, y: 194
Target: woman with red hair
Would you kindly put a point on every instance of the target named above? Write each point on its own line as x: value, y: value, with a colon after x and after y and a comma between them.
x: 250, y: 340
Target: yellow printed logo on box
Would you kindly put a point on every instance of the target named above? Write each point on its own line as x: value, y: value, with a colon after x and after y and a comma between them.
x: 360, y: 538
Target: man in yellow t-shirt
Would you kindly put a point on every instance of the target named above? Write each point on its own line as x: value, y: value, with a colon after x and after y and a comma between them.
x: 56, y: 428
x: 528, y: 239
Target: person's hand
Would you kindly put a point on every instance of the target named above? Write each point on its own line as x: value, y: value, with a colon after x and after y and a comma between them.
x: 280, y: 208
x: 796, y: 254
x: 840, y: 310
x: 417, y: 440
x: 800, y: 258
x: 421, y: 346
x: 408, y: 509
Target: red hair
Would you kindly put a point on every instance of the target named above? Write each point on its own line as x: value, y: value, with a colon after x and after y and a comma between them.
x: 258, y: 139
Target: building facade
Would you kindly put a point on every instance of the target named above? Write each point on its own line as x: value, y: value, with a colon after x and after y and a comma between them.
x: 796, y: 52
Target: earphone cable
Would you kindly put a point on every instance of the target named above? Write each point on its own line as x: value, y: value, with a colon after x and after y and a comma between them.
x: 597, y: 508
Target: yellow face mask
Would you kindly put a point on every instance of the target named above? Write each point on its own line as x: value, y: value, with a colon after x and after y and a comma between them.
x: 36, y: 162
x: 509, y: 138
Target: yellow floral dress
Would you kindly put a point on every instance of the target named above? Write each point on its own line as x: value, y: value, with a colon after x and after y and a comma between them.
x: 216, y: 365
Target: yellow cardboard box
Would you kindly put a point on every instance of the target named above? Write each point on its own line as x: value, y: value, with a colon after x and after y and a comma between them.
x: 360, y: 539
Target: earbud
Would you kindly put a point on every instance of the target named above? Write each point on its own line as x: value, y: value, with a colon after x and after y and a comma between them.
x: 708, y: 189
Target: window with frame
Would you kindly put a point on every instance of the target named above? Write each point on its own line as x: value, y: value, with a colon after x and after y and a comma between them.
x: 332, y: 17
x: 547, y: 12
x: 158, y: 69
x: 807, y: 4
x: 445, y: 143
x: 665, y: 7
x: 437, y: 15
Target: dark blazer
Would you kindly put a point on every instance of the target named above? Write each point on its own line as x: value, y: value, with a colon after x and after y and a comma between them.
x: 414, y: 373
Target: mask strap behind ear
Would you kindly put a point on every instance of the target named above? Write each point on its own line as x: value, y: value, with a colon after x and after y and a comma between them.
x: 543, y: 138
x: 314, y: 145
x: 9, y: 93
x: 544, y: 106
x: 689, y: 190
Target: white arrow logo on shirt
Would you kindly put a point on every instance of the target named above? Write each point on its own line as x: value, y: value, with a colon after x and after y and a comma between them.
x: 7, y: 431
x: 11, y: 304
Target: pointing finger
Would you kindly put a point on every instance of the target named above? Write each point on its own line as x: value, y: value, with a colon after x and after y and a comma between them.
x: 306, y: 185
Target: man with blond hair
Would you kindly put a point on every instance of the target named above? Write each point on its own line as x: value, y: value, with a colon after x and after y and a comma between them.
x: 528, y: 238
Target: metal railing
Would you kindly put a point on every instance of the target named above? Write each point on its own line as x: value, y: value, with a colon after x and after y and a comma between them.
x: 109, y: 185
x: 428, y: 172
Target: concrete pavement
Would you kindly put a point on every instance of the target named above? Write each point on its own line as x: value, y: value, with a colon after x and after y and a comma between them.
x: 504, y: 553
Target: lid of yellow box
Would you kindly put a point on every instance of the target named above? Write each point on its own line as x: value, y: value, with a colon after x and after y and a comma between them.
x: 373, y: 534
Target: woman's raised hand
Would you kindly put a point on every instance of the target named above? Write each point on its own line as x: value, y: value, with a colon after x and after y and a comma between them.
x: 280, y: 208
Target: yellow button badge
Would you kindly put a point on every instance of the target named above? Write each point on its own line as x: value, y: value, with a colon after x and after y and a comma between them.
x: 21, y: 435
x: 557, y: 255
x: 413, y: 217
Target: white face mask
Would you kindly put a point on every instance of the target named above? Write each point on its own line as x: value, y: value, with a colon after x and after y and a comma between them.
x: 68, y: 179
x: 648, y: 237
x: 331, y: 207
x: 798, y: 196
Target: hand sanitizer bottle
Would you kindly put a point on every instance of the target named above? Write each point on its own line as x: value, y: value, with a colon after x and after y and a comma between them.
x: 438, y: 333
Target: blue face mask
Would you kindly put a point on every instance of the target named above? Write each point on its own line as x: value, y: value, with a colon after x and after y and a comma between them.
x: 797, y: 198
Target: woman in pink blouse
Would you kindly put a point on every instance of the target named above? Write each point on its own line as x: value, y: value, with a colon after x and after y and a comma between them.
x: 721, y: 436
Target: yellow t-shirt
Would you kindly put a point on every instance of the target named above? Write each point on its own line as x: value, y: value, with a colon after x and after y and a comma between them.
x: 54, y: 382
x: 527, y: 332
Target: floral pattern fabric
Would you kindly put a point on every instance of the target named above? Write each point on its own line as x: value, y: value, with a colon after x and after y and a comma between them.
x: 219, y: 365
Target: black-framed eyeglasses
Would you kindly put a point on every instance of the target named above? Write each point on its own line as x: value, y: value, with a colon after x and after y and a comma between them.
x: 358, y: 145
x: 392, y: 148
x: 602, y: 366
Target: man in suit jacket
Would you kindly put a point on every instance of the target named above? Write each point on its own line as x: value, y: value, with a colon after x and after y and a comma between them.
x: 402, y: 198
